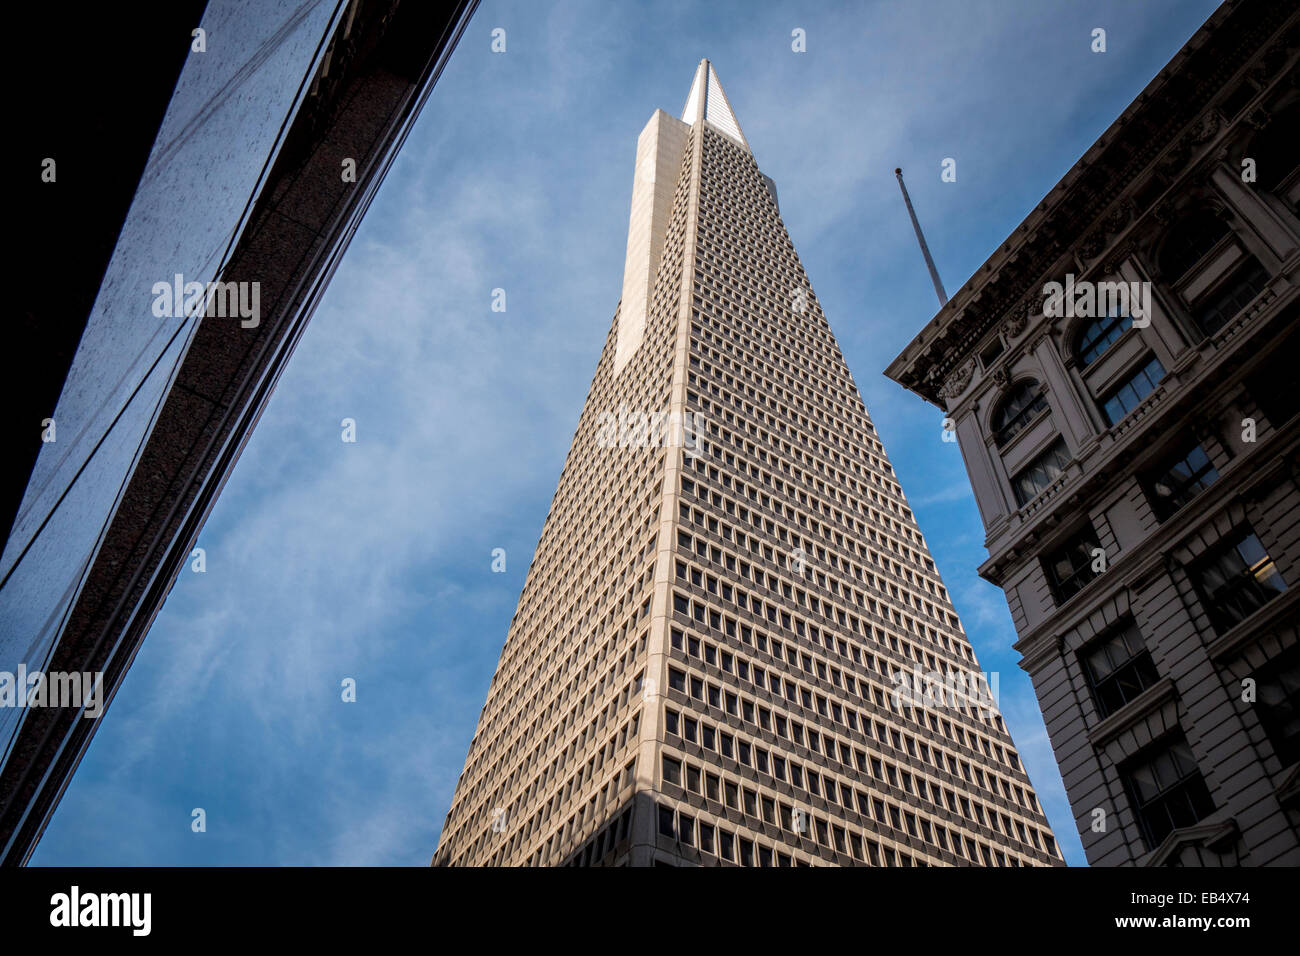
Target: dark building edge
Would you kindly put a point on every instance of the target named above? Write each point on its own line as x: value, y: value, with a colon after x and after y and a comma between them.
x: 69, y: 116
x: 302, y: 222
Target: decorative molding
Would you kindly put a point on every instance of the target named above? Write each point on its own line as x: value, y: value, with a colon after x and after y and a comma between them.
x: 959, y: 380
x: 1121, y: 253
x: 1257, y: 118
x: 1145, y: 153
x: 1019, y: 317
x: 1041, y: 334
x: 1206, y: 127
x: 1218, y: 837
x: 1093, y: 245
x: 1120, y: 215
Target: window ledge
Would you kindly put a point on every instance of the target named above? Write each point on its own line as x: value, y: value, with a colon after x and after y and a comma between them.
x: 1035, y: 504
x: 1215, y: 836
x: 1139, y: 411
x: 1255, y: 626
x: 1147, y: 702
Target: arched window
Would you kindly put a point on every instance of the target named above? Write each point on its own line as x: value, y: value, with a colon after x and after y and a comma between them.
x: 1097, y: 336
x: 1021, y: 406
x: 1188, y: 241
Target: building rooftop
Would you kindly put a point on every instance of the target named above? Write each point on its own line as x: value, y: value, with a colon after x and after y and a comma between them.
x: 1096, y: 198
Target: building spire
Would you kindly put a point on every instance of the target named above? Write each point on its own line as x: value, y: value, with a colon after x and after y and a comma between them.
x: 707, y: 101
x: 920, y: 237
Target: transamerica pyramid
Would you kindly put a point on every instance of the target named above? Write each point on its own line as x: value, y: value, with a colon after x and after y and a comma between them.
x: 732, y: 646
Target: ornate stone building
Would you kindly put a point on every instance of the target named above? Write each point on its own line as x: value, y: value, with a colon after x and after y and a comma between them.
x: 706, y: 664
x: 1118, y: 378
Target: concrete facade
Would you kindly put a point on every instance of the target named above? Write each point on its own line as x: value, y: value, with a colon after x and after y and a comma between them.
x: 704, y: 665
x: 1136, y: 468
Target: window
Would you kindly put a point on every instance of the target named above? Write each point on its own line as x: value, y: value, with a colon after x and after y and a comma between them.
x: 746, y: 852
x: 666, y: 821
x: 706, y: 838
x: 1071, y: 566
x: 989, y: 354
x: 672, y: 770
x: 1278, y: 686
x: 1236, y: 579
x: 1021, y: 406
x: 1030, y: 481
x: 1189, y: 241
x: 1172, y: 485
x: 1232, y: 295
x: 726, y: 845
x: 711, y: 784
x: 1130, y: 393
x: 1167, y: 791
x: 1097, y: 336
x: 1118, y: 668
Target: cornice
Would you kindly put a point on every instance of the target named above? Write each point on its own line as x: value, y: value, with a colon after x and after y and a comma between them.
x: 1156, y: 135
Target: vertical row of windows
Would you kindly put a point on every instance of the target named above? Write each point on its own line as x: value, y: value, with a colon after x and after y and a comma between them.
x: 1212, y: 278
x: 1234, y: 579
x: 783, y: 468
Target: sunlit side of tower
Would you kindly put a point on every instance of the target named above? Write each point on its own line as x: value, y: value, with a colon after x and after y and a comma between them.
x: 715, y: 658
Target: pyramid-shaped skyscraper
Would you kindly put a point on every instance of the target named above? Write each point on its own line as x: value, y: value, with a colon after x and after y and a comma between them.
x: 732, y: 646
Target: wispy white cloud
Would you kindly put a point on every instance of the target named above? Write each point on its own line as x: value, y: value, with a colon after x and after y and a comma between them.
x: 371, y: 560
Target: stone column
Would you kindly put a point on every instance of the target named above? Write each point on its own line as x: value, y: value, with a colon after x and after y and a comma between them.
x: 1068, y: 411
x: 1255, y: 215
x: 991, y: 494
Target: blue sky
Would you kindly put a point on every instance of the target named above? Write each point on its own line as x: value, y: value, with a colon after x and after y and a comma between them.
x: 372, y: 560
